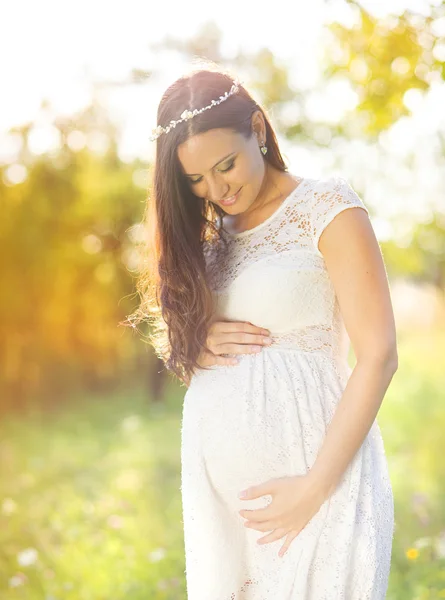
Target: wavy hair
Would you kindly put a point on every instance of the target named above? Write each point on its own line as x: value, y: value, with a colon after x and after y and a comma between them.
x: 174, y: 293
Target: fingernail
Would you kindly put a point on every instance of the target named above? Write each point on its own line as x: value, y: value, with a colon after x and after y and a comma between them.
x: 256, y: 348
x: 267, y: 340
x: 242, y: 494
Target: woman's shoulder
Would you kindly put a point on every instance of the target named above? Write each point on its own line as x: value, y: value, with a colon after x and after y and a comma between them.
x: 334, y: 191
x: 330, y: 196
x: 327, y: 183
x: 329, y: 192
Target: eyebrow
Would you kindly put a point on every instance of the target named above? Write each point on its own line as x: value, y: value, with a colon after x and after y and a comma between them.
x: 215, y: 165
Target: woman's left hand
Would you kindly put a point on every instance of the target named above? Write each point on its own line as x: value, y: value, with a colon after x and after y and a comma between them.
x: 295, y: 500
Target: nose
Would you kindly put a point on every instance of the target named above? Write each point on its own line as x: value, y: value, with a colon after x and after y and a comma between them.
x: 217, y: 190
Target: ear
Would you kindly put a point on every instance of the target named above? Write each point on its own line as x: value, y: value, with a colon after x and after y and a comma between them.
x: 258, y: 125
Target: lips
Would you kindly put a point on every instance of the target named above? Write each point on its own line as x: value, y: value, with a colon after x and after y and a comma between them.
x: 231, y: 200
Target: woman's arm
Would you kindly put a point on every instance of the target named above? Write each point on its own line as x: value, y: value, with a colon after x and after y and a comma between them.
x: 355, y: 265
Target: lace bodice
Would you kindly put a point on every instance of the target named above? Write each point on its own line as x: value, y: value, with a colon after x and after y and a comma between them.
x: 274, y: 275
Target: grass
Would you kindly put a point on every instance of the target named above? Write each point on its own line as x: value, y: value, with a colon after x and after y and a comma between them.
x: 95, y: 490
x: 90, y: 505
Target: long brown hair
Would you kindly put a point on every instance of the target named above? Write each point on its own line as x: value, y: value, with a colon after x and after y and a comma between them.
x: 175, y: 296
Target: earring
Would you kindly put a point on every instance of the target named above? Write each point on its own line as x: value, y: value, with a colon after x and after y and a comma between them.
x: 263, y: 148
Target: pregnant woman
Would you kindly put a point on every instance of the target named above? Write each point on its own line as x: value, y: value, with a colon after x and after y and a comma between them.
x: 259, y: 281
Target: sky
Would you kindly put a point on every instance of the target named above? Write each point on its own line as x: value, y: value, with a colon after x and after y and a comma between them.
x: 54, y: 49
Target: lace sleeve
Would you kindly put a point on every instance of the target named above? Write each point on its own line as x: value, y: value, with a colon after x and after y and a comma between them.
x: 331, y: 196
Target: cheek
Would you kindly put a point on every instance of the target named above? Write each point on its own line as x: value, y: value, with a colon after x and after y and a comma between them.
x: 246, y: 172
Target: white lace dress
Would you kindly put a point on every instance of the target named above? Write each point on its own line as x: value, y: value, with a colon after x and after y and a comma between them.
x: 267, y: 416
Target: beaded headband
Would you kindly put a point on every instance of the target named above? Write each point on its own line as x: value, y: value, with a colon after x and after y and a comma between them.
x: 189, y: 114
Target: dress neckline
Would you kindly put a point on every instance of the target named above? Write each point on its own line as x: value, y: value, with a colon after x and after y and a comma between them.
x: 270, y: 217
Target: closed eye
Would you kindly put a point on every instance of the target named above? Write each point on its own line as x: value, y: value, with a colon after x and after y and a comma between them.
x: 231, y: 165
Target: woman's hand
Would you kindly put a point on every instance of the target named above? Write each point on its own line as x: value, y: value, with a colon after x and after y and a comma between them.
x: 232, y: 337
x: 295, y: 500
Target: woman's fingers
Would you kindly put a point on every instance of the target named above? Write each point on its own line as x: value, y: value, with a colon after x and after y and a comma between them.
x: 291, y: 536
x: 232, y: 337
x: 274, y: 535
x: 241, y: 328
x: 226, y: 335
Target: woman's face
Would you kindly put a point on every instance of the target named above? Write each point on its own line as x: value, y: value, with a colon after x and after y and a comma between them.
x: 221, y: 164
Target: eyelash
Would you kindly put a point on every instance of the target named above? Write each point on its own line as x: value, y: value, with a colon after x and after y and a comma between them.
x: 222, y: 171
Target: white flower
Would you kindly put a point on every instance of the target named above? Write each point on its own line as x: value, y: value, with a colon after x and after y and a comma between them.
x: 16, y: 580
x: 156, y: 555
x: 423, y: 542
x: 131, y: 423
x: 187, y: 114
x: 8, y: 506
x: 27, y: 557
x: 440, y: 545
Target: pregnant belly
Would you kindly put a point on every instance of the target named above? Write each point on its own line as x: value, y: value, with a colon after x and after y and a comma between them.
x: 265, y: 417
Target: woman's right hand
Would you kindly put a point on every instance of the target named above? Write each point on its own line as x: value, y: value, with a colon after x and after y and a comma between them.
x: 232, y: 337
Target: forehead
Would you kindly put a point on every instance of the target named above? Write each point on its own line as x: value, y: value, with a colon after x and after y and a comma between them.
x: 201, y: 152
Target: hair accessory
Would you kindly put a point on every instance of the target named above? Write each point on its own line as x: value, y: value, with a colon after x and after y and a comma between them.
x: 189, y: 114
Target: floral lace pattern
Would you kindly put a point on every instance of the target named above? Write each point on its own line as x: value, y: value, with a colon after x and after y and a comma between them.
x: 267, y: 417
x: 278, y: 264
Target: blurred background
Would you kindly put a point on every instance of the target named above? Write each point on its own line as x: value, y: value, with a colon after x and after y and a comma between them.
x: 90, y: 505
